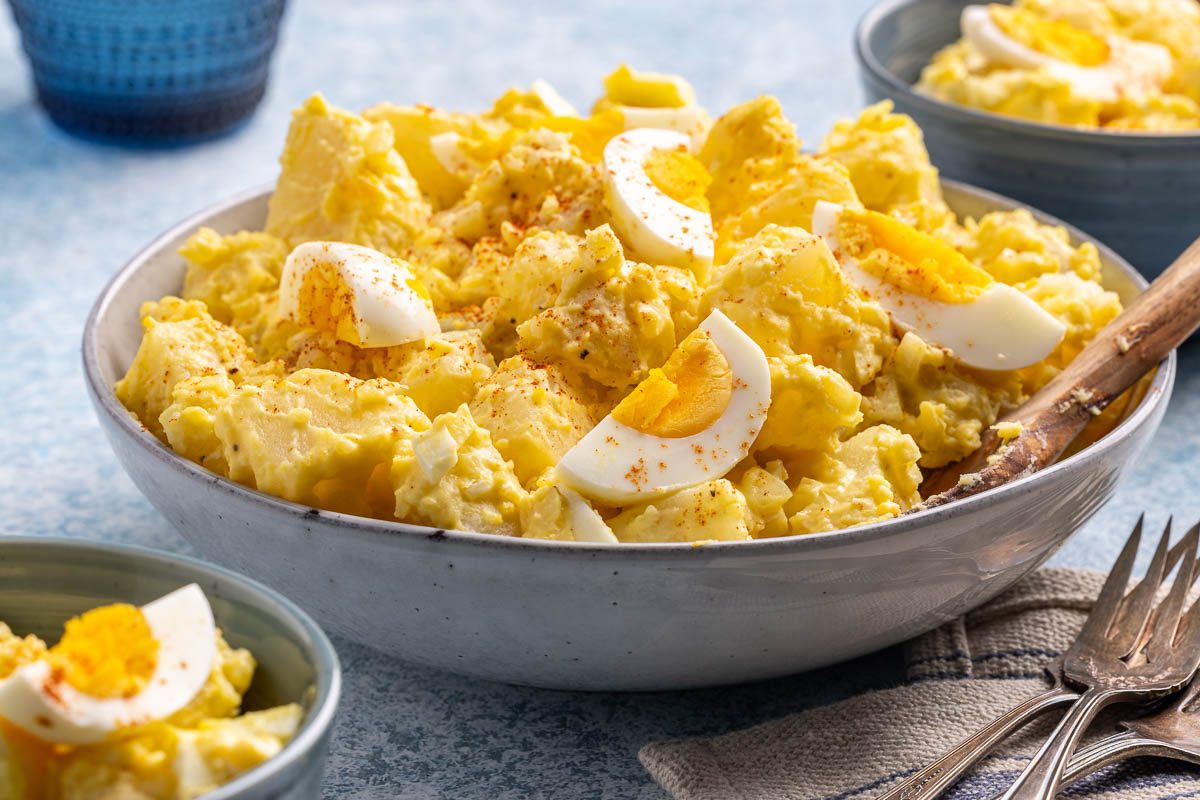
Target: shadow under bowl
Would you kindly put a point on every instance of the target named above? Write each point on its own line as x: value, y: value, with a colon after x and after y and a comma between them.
x: 1138, y: 193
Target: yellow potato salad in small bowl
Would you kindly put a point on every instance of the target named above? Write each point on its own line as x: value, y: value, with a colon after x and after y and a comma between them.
x: 1121, y: 66
x: 132, y: 702
x: 639, y: 324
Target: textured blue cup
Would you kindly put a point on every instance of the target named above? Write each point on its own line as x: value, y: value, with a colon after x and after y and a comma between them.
x: 149, y: 71
x: 1138, y: 193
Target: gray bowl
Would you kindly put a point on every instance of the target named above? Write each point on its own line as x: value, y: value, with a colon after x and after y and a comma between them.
x: 46, y: 581
x: 574, y: 615
x: 1139, y: 193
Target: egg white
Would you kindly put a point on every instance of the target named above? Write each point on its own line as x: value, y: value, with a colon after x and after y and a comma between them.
x: 586, y: 522
x: 554, y: 102
x: 691, y: 120
x: 387, y: 310
x: 615, y: 464
x: 54, y: 711
x: 1133, y: 69
x: 1001, y: 329
x: 660, y: 229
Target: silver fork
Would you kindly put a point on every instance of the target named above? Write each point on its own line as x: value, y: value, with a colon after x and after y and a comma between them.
x: 938, y: 776
x: 1131, y: 651
x: 1172, y: 732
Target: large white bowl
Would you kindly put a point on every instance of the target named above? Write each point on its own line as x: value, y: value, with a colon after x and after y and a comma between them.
x: 586, y: 616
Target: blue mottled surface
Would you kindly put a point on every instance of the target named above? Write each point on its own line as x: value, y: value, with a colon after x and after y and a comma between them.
x: 71, y: 212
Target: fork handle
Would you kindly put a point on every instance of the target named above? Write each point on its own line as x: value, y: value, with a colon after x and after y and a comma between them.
x: 1110, y: 750
x: 1040, y: 778
x: 930, y: 781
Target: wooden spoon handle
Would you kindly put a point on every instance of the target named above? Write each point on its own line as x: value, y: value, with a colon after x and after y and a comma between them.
x: 1156, y: 322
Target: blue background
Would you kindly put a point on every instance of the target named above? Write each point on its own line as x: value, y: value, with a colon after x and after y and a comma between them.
x: 71, y: 212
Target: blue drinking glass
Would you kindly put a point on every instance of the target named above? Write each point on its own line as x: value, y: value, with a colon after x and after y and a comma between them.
x: 149, y: 71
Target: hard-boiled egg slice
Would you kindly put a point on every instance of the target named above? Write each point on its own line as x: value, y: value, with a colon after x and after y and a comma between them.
x: 932, y: 289
x: 554, y: 102
x: 692, y: 121
x: 659, y: 228
x: 356, y: 293
x: 686, y: 423
x: 1102, y: 68
x: 585, y: 521
x: 115, y: 667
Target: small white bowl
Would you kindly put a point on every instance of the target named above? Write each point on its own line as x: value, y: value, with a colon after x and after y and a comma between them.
x: 572, y: 615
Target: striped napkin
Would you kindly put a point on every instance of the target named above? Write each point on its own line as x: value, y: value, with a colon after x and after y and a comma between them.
x: 959, y: 677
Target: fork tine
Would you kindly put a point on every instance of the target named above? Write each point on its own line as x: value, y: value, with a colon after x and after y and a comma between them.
x: 1167, y: 617
x: 1191, y: 617
x: 1175, y: 553
x: 1104, y: 612
x: 1135, y: 614
x: 1195, y: 529
x: 1187, y: 635
x: 1187, y: 698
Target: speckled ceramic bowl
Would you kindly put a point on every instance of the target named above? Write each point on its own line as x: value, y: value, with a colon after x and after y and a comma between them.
x: 46, y: 581
x: 1139, y: 193
x: 573, y: 615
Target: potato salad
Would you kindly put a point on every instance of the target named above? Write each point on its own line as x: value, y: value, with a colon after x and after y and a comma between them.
x: 137, y: 703
x: 1124, y: 65
x: 636, y: 324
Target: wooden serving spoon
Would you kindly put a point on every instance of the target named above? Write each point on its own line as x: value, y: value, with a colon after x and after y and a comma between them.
x: 1156, y: 322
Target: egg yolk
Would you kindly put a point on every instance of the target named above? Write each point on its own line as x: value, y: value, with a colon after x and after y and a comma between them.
x: 914, y: 262
x: 108, y: 652
x: 1051, y: 37
x: 327, y: 303
x: 680, y: 176
x: 685, y: 396
x: 589, y: 134
x: 18, y: 651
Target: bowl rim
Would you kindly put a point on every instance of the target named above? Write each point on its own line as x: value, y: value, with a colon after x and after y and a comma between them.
x: 867, y: 60
x: 328, y: 680
x: 105, y: 400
